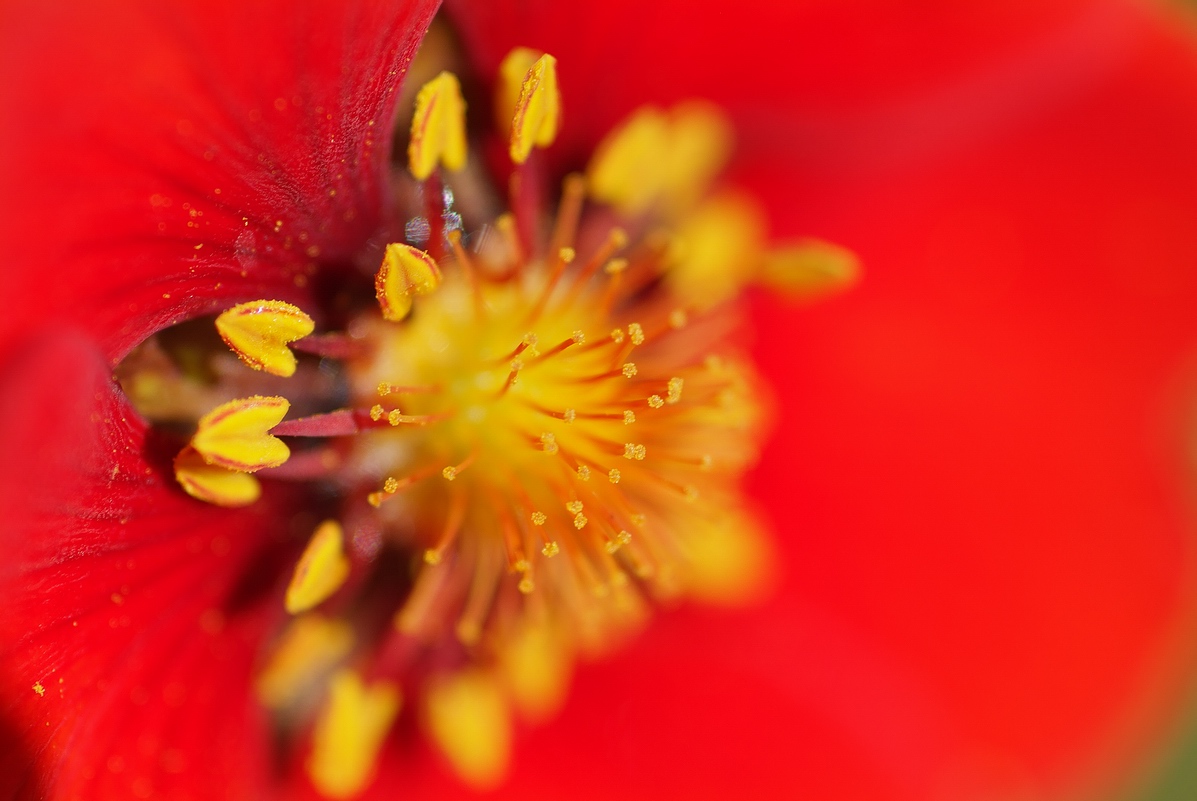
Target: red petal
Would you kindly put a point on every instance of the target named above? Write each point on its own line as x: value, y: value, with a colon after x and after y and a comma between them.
x: 131, y: 613
x: 163, y: 160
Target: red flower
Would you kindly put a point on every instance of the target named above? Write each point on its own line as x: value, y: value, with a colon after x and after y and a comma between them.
x: 978, y: 475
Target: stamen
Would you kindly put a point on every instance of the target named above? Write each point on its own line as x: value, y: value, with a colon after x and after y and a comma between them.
x: 538, y: 111
x: 457, y: 509
x: 349, y: 734
x: 469, y: 721
x: 310, y: 647
x: 259, y: 332
x: 215, y: 485
x: 808, y: 269
x: 437, y: 128
x: 235, y: 435
x: 405, y: 272
x: 321, y: 570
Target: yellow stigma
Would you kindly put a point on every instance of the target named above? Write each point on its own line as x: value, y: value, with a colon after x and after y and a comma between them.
x: 438, y: 133
x: 259, y: 333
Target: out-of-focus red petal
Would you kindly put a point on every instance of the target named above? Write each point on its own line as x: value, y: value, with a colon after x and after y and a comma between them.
x: 132, y: 614
x: 979, y: 477
x: 160, y: 160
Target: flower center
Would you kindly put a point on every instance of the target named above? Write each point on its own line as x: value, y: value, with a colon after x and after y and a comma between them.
x: 537, y: 434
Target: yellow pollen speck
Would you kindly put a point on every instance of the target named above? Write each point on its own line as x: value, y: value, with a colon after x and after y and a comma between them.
x: 634, y: 451
x: 539, y: 518
x: 405, y: 272
x: 259, y: 333
x: 549, y: 443
x: 391, y: 485
x: 235, y: 435
x: 629, y: 370
x: 656, y: 401
x: 538, y: 110
x: 583, y: 472
x: 321, y: 570
x: 437, y: 128
x: 574, y: 507
x: 376, y: 412
x: 580, y: 521
x: 569, y: 415
x: 39, y: 689
x: 551, y: 549
x: 526, y: 585
x: 449, y: 473
x: 349, y: 734
x: 636, y: 332
x: 674, y: 390
x: 613, y: 475
x: 617, y: 336
x: 629, y: 417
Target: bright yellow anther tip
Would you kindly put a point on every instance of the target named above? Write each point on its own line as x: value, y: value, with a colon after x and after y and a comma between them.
x: 321, y: 570
x: 349, y: 734
x: 538, y: 110
x: 212, y: 484
x: 309, y: 648
x: 808, y: 269
x: 259, y: 332
x: 405, y: 272
x: 235, y: 435
x: 437, y: 128
x: 468, y: 719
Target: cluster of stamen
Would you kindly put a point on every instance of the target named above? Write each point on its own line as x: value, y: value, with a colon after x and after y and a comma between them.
x: 545, y: 416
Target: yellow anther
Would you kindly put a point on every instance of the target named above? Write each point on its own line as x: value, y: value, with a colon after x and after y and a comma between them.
x: 700, y: 142
x: 656, y: 401
x: 526, y: 585
x: 539, y: 518
x: 309, y: 648
x: 621, y: 539
x: 391, y: 485
x: 580, y: 521
x: 707, y: 462
x: 538, y: 110
x: 636, y: 333
x: 432, y: 557
x: 573, y: 507
x: 628, y: 167
x: 376, y: 412
x: 235, y: 435
x: 384, y: 389
x: 548, y: 442
x: 349, y: 734
x: 550, y: 549
x: 674, y: 390
x: 583, y: 472
x: 438, y: 133
x: 259, y: 333
x: 468, y: 719
x: 633, y: 451
x: 212, y: 484
x: 629, y: 370
x: 677, y: 319
x: 639, y: 520
x: 450, y: 473
x: 809, y: 269
x: 691, y: 493
x: 512, y: 71
x: 629, y: 417
x: 569, y: 415
x: 613, y: 475
x: 718, y: 250
x: 567, y: 255
x: 536, y: 669
x: 578, y: 337
x: 405, y: 272
x: 321, y: 570
x: 617, y: 336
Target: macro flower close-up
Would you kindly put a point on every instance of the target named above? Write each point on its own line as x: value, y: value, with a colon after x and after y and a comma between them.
x: 535, y: 400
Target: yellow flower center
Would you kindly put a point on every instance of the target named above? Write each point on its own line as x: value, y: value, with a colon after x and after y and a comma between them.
x: 546, y: 419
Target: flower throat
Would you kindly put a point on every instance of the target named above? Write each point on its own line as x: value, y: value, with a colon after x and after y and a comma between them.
x: 543, y: 422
